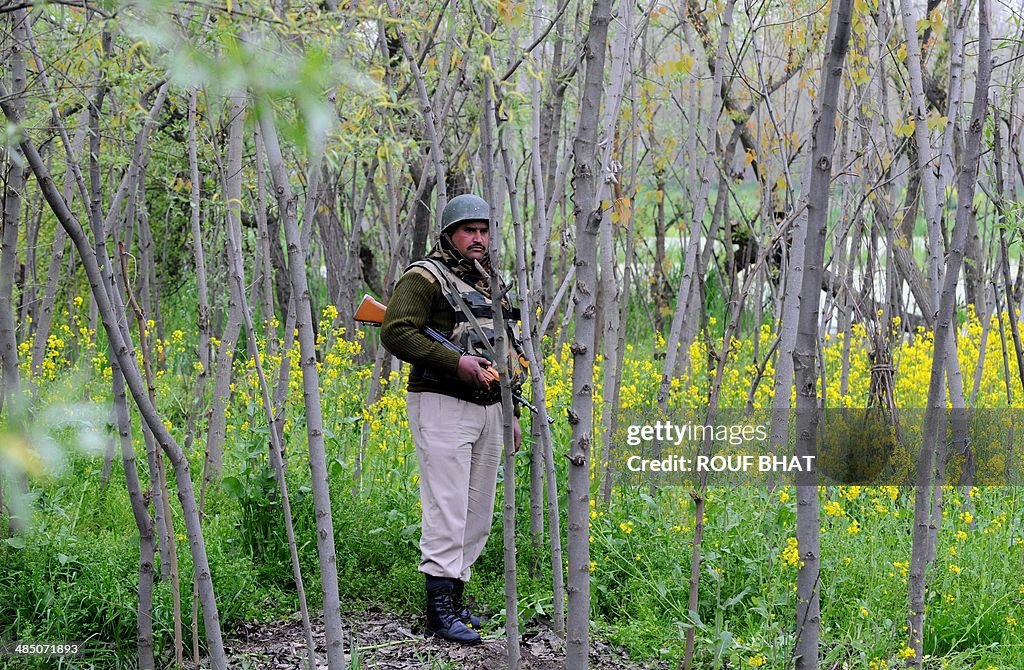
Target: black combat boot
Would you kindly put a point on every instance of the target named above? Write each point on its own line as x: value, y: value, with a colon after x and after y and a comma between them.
x: 442, y: 618
x: 458, y: 600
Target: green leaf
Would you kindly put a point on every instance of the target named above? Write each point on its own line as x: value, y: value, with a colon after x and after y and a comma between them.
x: 935, y: 121
x: 724, y: 643
x: 905, y: 128
x: 736, y: 598
x: 234, y: 487
x: 18, y: 542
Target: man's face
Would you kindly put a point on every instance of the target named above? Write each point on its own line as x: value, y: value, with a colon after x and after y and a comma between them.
x: 471, y: 239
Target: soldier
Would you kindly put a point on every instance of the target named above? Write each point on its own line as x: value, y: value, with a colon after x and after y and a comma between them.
x: 453, y: 405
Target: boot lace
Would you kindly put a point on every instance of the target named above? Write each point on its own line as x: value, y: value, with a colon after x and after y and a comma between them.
x: 447, y: 613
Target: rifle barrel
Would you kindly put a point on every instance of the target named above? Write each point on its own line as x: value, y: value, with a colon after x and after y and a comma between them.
x: 439, y: 337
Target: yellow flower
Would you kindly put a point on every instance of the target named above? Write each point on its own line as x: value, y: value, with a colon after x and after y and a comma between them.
x: 791, y: 554
x: 966, y: 517
x: 907, y: 652
x: 955, y: 569
x: 757, y: 661
x: 833, y: 508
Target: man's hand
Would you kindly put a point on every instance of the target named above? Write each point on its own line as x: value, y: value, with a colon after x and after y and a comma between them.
x: 476, y: 371
x: 517, y: 436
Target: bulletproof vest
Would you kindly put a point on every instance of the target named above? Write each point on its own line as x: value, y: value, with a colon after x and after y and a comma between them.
x: 476, y: 335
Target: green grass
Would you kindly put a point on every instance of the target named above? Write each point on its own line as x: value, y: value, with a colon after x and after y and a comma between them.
x: 73, y: 576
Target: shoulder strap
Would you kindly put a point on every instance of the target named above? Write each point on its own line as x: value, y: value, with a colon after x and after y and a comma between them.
x: 421, y: 272
x: 439, y: 272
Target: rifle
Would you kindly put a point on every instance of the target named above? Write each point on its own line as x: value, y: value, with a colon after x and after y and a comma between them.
x: 371, y: 311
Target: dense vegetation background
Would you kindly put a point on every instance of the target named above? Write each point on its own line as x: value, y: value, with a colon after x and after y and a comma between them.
x: 724, y: 208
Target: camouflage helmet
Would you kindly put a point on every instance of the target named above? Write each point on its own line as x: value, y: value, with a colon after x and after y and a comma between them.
x: 462, y: 208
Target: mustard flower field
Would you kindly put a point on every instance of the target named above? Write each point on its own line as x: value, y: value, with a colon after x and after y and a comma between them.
x: 72, y: 575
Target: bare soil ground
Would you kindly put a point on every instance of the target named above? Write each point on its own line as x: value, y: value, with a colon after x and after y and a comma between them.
x: 400, y: 642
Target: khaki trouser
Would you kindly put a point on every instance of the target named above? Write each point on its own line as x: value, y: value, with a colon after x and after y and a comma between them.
x: 458, y: 446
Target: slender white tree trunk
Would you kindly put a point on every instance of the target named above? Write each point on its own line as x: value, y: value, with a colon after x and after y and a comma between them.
x: 690, y: 262
x: 610, y: 294
x: 927, y: 494
x: 14, y: 186
x: 805, y: 355
x: 588, y: 221
x: 501, y: 348
x: 142, y: 520
x: 311, y: 389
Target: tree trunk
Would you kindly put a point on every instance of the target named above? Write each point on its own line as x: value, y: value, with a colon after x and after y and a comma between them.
x: 691, y: 262
x: 214, y: 463
x: 202, y: 291
x: 609, y: 293
x: 15, y: 185
x: 534, y: 297
x: 925, y: 155
x: 926, y: 496
x: 142, y: 520
x: 436, y: 153
x: 311, y: 390
x: 237, y: 272
x: 502, y: 348
x: 588, y: 221
x: 805, y: 355
x: 27, y: 300
x: 158, y: 480
x: 1004, y: 267
x: 265, y: 267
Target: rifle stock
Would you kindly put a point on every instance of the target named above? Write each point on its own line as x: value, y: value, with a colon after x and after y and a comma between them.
x: 370, y: 311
